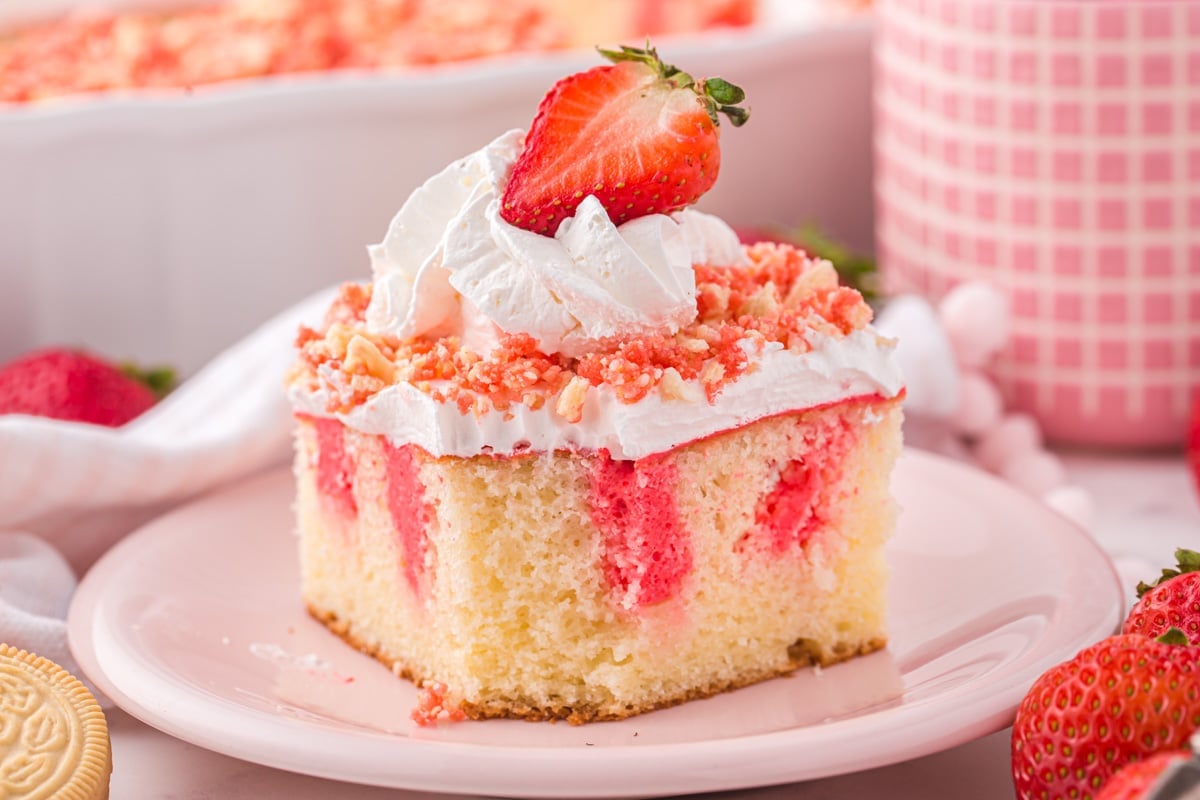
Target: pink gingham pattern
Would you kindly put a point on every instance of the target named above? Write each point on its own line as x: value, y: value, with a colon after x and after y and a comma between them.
x: 1053, y: 149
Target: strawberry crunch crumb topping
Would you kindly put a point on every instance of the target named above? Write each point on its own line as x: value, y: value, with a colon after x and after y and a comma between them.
x: 782, y: 298
x: 434, y: 705
x: 93, y: 50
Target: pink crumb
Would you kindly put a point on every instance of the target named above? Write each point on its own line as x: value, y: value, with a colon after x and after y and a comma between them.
x: 647, y: 551
x: 792, y: 511
x: 735, y: 305
x: 788, y: 515
x: 433, y: 706
x: 410, y: 513
x: 335, y: 470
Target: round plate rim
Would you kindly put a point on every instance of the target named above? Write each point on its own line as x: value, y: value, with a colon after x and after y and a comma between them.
x: 654, y: 769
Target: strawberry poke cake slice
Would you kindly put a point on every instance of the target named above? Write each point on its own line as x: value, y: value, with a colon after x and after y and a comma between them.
x: 575, y: 452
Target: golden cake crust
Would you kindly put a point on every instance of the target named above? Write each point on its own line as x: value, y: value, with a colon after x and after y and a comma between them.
x: 54, y: 740
x: 557, y: 636
x: 801, y: 655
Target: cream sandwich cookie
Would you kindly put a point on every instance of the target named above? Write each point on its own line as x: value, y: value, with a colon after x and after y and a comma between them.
x: 54, y: 739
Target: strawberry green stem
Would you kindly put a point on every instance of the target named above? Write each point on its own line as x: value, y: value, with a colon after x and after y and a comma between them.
x: 160, y: 380
x: 1187, y: 561
x: 717, y: 95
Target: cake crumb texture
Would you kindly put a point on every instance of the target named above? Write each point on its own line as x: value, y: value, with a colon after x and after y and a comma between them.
x: 574, y: 586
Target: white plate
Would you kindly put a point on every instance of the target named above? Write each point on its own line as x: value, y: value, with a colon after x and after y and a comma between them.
x: 194, y: 625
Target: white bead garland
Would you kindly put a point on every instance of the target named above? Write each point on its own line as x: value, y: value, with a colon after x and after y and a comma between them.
x: 971, y: 325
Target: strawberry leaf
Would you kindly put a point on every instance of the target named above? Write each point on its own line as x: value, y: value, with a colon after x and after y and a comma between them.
x: 1174, y: 636
x: 723, y: 91
x: 1187, y: 561
x: 855, y: 270
x: 737, y: 116
x: 160, y: 380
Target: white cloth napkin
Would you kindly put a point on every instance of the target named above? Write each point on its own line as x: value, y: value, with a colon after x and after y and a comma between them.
x: 36, y: 585
x: 69, y: 491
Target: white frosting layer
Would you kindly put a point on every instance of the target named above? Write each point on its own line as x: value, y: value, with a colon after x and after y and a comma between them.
x: 783, y: 381
x: 450, y: 264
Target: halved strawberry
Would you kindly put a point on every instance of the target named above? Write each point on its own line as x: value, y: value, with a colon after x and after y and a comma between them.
x: 638, y: 134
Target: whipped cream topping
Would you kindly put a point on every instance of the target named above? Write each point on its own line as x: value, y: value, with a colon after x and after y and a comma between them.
x: 858, y: 365
x: 451, y: 265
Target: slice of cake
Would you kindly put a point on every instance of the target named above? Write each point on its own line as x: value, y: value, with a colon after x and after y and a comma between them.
x: 576, y: 452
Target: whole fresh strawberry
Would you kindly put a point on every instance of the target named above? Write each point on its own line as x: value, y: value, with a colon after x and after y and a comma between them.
x: 74, y: 385
x: 1134, y: 781
x: 638, y: 134
x: 1117, y: 701
x: 1173, y: 601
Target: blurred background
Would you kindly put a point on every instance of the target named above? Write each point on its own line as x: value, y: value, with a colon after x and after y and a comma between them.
x: 173, y: 174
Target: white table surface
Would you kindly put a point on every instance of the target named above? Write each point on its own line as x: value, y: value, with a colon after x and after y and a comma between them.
x: 1146, y: 506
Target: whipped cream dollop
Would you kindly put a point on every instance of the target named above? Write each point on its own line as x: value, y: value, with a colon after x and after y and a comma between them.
x: 451, y: 265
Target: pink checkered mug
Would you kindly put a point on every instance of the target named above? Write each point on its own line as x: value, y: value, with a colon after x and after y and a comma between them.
x: 1052, y: 148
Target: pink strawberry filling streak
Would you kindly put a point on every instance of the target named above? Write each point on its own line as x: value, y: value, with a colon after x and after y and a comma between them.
x: 647, y: 550
x: 335, y: 469
x: 410, y: 513
x: 787, y: 517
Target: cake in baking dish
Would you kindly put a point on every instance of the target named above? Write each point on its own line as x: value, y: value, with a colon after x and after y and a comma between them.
x: 97, y: 47
x: 567, y: 457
